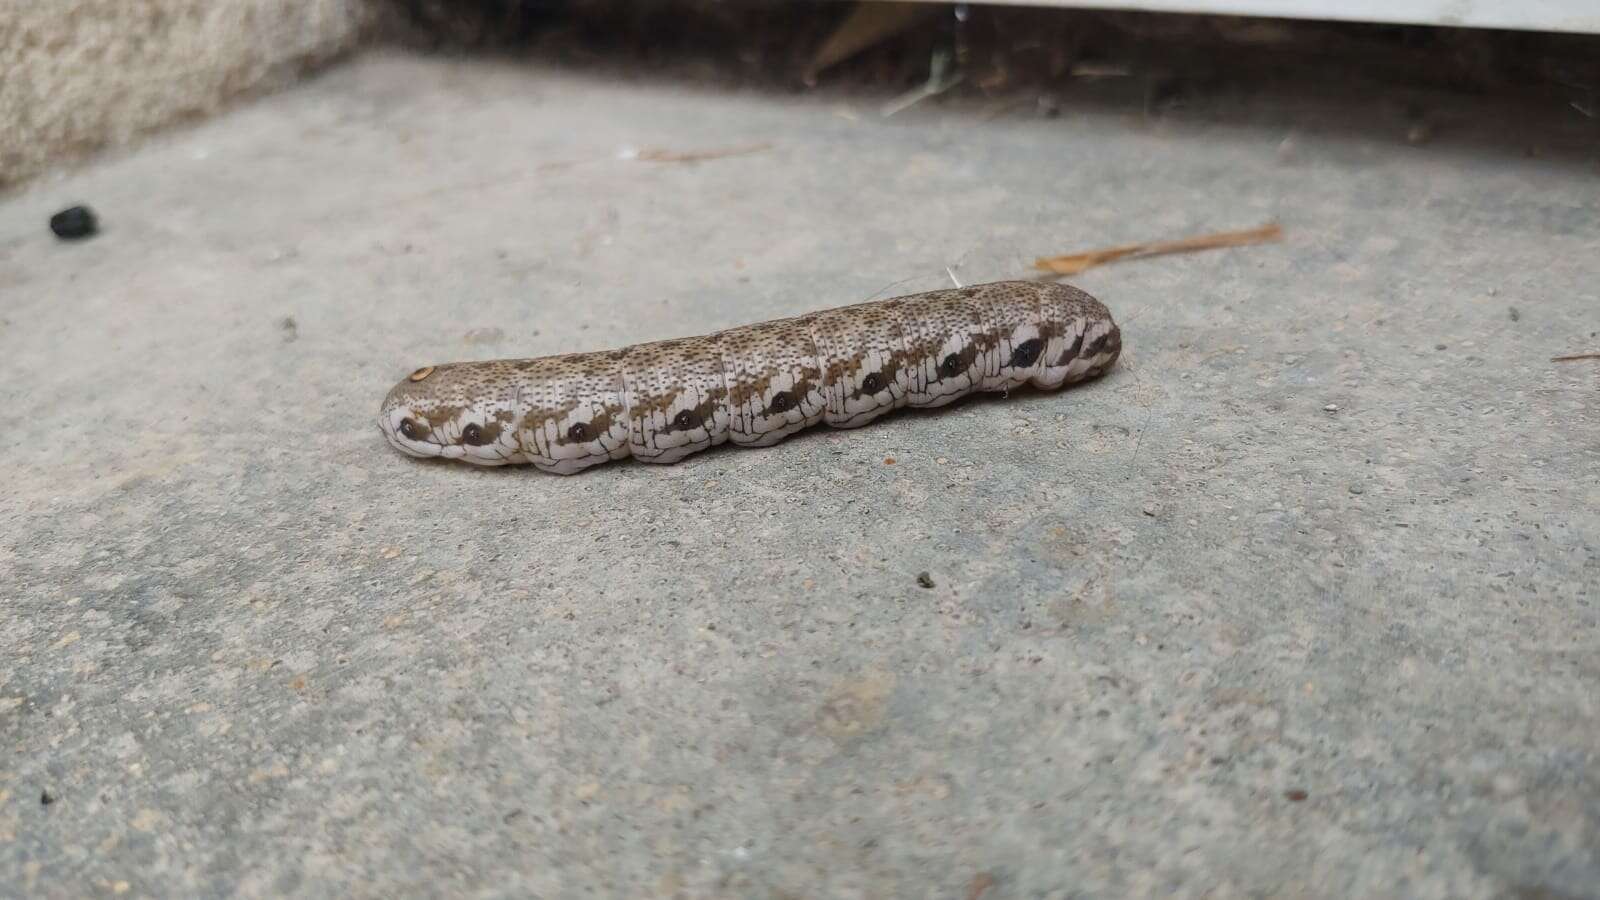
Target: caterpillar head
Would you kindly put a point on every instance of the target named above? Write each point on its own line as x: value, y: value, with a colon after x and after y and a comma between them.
x: 455, y: 412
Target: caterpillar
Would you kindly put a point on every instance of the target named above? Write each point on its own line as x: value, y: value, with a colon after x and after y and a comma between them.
x: 753, y: 385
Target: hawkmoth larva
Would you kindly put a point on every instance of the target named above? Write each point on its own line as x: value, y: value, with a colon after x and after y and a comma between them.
x: 753, y: 385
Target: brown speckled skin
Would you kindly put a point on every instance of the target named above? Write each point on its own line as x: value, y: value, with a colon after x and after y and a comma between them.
x: 753, y: 385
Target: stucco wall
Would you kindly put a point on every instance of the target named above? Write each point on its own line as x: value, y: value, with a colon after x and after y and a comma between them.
x: 81, y: 75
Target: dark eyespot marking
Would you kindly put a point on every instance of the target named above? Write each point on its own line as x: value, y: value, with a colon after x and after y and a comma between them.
x: 409, y: 430
x: 578, y: 432
x: 1025, y: 353
x: 686, y: 420
x: 873, y: 383
x: 472, y: 435
x: 951, y: 367
x: 782, y: 402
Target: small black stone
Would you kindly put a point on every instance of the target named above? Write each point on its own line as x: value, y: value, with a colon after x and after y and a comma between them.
x: 74, y: 223
x: 46, y: 798
x: 924, y: 579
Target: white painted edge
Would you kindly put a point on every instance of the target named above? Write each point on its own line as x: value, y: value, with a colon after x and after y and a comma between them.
x: 1577, y: 16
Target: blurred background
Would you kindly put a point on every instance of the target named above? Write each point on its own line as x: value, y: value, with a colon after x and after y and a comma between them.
x: 81, y: 75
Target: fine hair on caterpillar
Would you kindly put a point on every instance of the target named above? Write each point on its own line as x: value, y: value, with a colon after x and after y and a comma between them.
x: 753, y: 385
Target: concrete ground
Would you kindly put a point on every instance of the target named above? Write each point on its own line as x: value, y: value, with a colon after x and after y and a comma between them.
x: 1302, y: 600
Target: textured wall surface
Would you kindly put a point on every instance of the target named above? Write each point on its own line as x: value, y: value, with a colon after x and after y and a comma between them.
x: 1299, y: 601
x: 80, y: 75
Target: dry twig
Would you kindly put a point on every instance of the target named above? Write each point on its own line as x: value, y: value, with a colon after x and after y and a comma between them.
x: 658, y: 155
x: 1073, y: 263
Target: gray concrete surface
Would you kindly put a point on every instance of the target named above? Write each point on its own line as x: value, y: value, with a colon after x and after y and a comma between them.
x: 1301, y: 601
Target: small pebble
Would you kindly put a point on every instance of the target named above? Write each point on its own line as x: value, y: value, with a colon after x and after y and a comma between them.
x: 1150, y: 511
x: 46, y: 798
x: 924, y: 579
x: 1357, y: 489
x: 74, y: 223
x: 1331, y: 407
x: 1441, y: 346
x: 1296, y: 795
x: 1516, y: 315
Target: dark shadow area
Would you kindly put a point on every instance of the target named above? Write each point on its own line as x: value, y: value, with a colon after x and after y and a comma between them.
x: 1526, y: 94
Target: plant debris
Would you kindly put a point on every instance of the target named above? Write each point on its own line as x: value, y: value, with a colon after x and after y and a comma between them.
x: 658, y: 155
x: 941, y: 78
x: 868, y: 25
x: 1575, y: 357
x: 1073, y: 263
